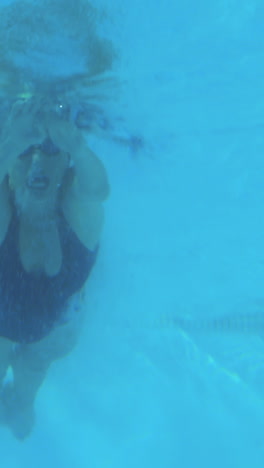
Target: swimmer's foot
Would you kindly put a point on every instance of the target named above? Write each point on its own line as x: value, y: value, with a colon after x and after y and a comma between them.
x: 22, y: 422
x: 2, y: 413
x: 20, y: 418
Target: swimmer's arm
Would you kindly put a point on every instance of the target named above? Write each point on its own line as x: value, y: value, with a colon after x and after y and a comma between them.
x: 90, y: 175
x: 21, y: 130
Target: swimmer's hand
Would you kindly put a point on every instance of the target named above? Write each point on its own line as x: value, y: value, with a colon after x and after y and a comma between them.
x: 24, y: 124
x: 90, y: 175
x: 65, y: 135
x: 22, y: 129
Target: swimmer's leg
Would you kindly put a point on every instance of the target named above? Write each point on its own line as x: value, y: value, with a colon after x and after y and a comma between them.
x: 5, y: 353
x: 30, y: 364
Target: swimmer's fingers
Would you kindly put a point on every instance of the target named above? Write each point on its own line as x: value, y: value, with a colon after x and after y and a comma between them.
x: 23, y: 123
x: 22, y: 129
x: 64, y: 134
x: 19, y: 116
x: 23, y: 109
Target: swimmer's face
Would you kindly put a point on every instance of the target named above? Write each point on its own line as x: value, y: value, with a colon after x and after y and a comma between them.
x: 37, y: 176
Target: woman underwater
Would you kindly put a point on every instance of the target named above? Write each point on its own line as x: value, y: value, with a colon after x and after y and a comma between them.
x: 51, y: 193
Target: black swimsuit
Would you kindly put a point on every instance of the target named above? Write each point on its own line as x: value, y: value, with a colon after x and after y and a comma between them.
x: 31, y: 303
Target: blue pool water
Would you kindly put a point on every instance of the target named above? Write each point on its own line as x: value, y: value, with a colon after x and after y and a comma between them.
x: 184, y: 234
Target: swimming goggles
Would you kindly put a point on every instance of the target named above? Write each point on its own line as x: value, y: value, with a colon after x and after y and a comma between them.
x: 47, y: 147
